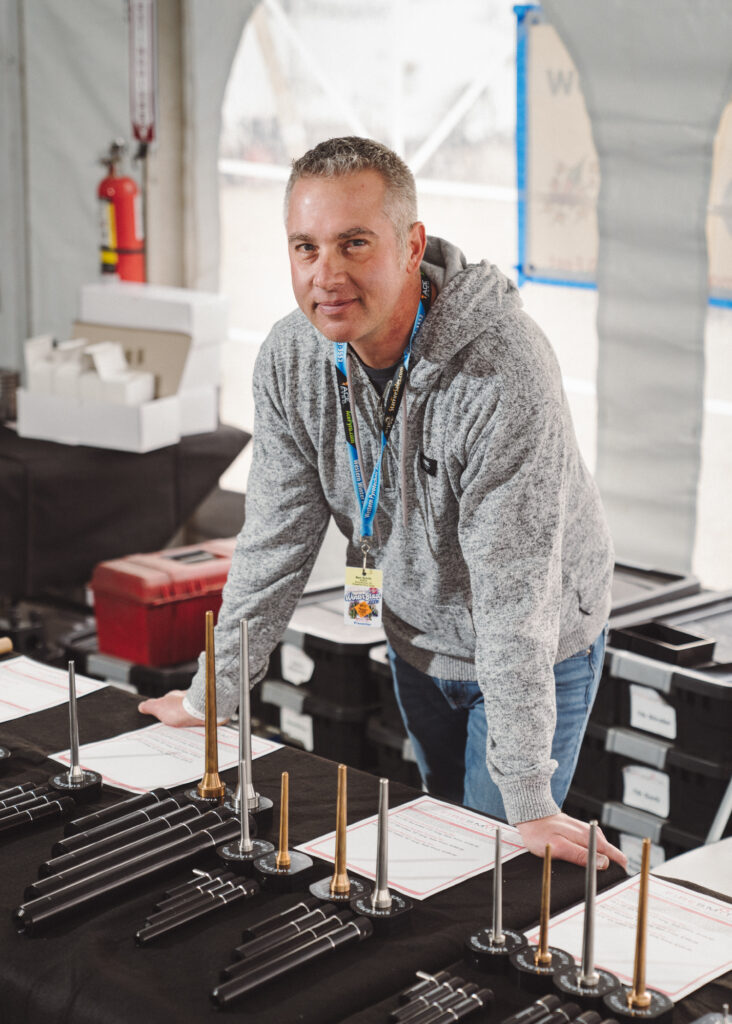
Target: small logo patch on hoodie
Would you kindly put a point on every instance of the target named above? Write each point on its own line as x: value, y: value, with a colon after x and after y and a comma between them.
x: 428, y: 465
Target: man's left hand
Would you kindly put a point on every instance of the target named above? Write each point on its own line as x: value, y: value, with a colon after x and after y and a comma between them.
x: 568, y: 839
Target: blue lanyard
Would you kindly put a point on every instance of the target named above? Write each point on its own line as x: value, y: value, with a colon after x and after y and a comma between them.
x: 367, y: 496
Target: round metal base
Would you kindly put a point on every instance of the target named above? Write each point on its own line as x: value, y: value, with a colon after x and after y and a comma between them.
x: 4, y: 753
x: 660, y: 1009
x: 88, y: 787
x: 357, y: 887
x: 589, y: 997
x: 204, y: 802
x: 243, y: 863
x: 539, y: 978
x: 486, y: 955
x: 384, y: 921
x: 290, y: 879
x: 262, y: 813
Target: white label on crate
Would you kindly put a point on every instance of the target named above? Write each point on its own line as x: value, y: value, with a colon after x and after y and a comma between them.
x: 632, y: 846
x: 297, y: 666
x: 651, y: 712
x: 297, y: 727
x: 647, y: 788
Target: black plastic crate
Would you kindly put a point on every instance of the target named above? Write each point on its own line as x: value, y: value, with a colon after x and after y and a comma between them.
x: 332, y: 658
x: 685, y: 790
x: 394, y: 753
x: 625, y: 827
x: 637, y: 587
x: 331, y: 730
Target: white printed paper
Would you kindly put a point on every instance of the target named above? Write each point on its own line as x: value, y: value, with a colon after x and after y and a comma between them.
x: 27, y: 686
x: 689, y: 935
x: 651, y: 712
x: 432, y: 846
x: 647, y: 788
x: 160, y: 755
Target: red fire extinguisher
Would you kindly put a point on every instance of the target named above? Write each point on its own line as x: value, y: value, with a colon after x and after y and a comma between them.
x: 122, y: 248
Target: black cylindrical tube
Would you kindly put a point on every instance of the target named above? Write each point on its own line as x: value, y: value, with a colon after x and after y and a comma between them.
x: 405, y: 1014
x: 275, y: 920
x: 430, y: 982
x: 118, y: 810
x: 443, y: 1002
x: 198, y: 876
x: 126, y: 838
x: 269, y: 939
x: 22, y: 819
x: 530, y: 1014
x: 194, y: 890
x: 216, y: 886
x: 181, y: 911
x: 353, y: 931
x: 48, y: 908
x: 321, y: 928
x: 243, y: 889
x: 462, y: 1009
x: 26, y: 805
x: 565, y: 1013
x: 20, y: 798
x: 118, y: 825
x: 120, y: 855
x: 22, y: 787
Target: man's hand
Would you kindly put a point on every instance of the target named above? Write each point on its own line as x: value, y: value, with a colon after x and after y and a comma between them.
x: 169, y: 709
x: 568, y: 839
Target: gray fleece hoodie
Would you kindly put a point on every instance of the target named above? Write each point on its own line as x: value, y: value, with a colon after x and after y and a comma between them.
x: 495, y: 567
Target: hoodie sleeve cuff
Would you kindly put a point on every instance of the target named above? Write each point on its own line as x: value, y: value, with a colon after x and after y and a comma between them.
x: 194, y: 711
x: 528, y: 799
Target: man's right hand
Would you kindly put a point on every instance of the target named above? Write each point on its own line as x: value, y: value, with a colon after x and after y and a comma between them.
x: 169, y: 709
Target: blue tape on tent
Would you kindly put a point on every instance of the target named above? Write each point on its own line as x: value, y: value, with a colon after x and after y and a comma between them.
x: 523, y: 25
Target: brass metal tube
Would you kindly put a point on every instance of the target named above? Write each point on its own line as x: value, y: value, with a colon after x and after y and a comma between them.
x: 542, y: 956
x: 638, y: 998
x: 340, y: 883
x: 283, y: 854
x: 211, y: 787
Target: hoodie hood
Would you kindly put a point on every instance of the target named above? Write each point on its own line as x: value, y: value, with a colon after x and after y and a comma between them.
x: 473, y: 299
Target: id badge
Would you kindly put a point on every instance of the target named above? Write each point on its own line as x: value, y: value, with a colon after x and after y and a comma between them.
x: 362, y: 597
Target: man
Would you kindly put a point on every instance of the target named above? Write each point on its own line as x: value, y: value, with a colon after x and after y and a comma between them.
x: 488, y: 528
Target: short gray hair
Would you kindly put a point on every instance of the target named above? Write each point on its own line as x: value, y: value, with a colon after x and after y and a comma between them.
x: 338, y: 157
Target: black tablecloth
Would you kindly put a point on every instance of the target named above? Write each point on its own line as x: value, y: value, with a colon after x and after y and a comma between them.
x: 88, y: 970
x: 64, y: 507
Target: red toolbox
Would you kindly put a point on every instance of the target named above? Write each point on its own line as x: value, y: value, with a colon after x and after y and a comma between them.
x: 151, y: 608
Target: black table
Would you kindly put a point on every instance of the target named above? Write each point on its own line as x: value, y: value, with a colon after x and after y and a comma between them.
x: 64, y: 507
x: 88, y: 970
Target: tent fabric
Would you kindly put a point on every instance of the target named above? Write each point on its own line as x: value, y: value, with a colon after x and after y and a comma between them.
x: 656, y: 77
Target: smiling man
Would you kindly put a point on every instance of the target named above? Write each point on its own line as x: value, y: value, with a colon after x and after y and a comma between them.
x: 410, y: 369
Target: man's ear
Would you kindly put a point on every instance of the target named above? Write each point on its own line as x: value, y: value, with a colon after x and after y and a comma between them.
x: 416, y: 243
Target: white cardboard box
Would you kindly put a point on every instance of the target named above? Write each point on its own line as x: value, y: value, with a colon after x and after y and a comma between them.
x: 129, y: 428
x: 202, y: 315
x: 199, y: 411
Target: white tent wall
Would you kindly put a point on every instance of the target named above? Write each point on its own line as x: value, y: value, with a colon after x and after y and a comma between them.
x: 656, y: 77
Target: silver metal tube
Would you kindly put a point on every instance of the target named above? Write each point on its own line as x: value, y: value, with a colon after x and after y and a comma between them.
x: 589, y: 976
x: 75, y: 773
x: 245, y: 721
x: 381, y: 897
x: 245, y: 840
x: 497, y: 936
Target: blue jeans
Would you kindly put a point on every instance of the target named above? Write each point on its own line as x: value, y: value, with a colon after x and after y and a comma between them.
x: 445, y: 720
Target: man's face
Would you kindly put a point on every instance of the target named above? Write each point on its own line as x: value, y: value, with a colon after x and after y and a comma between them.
x: 350, y: 276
